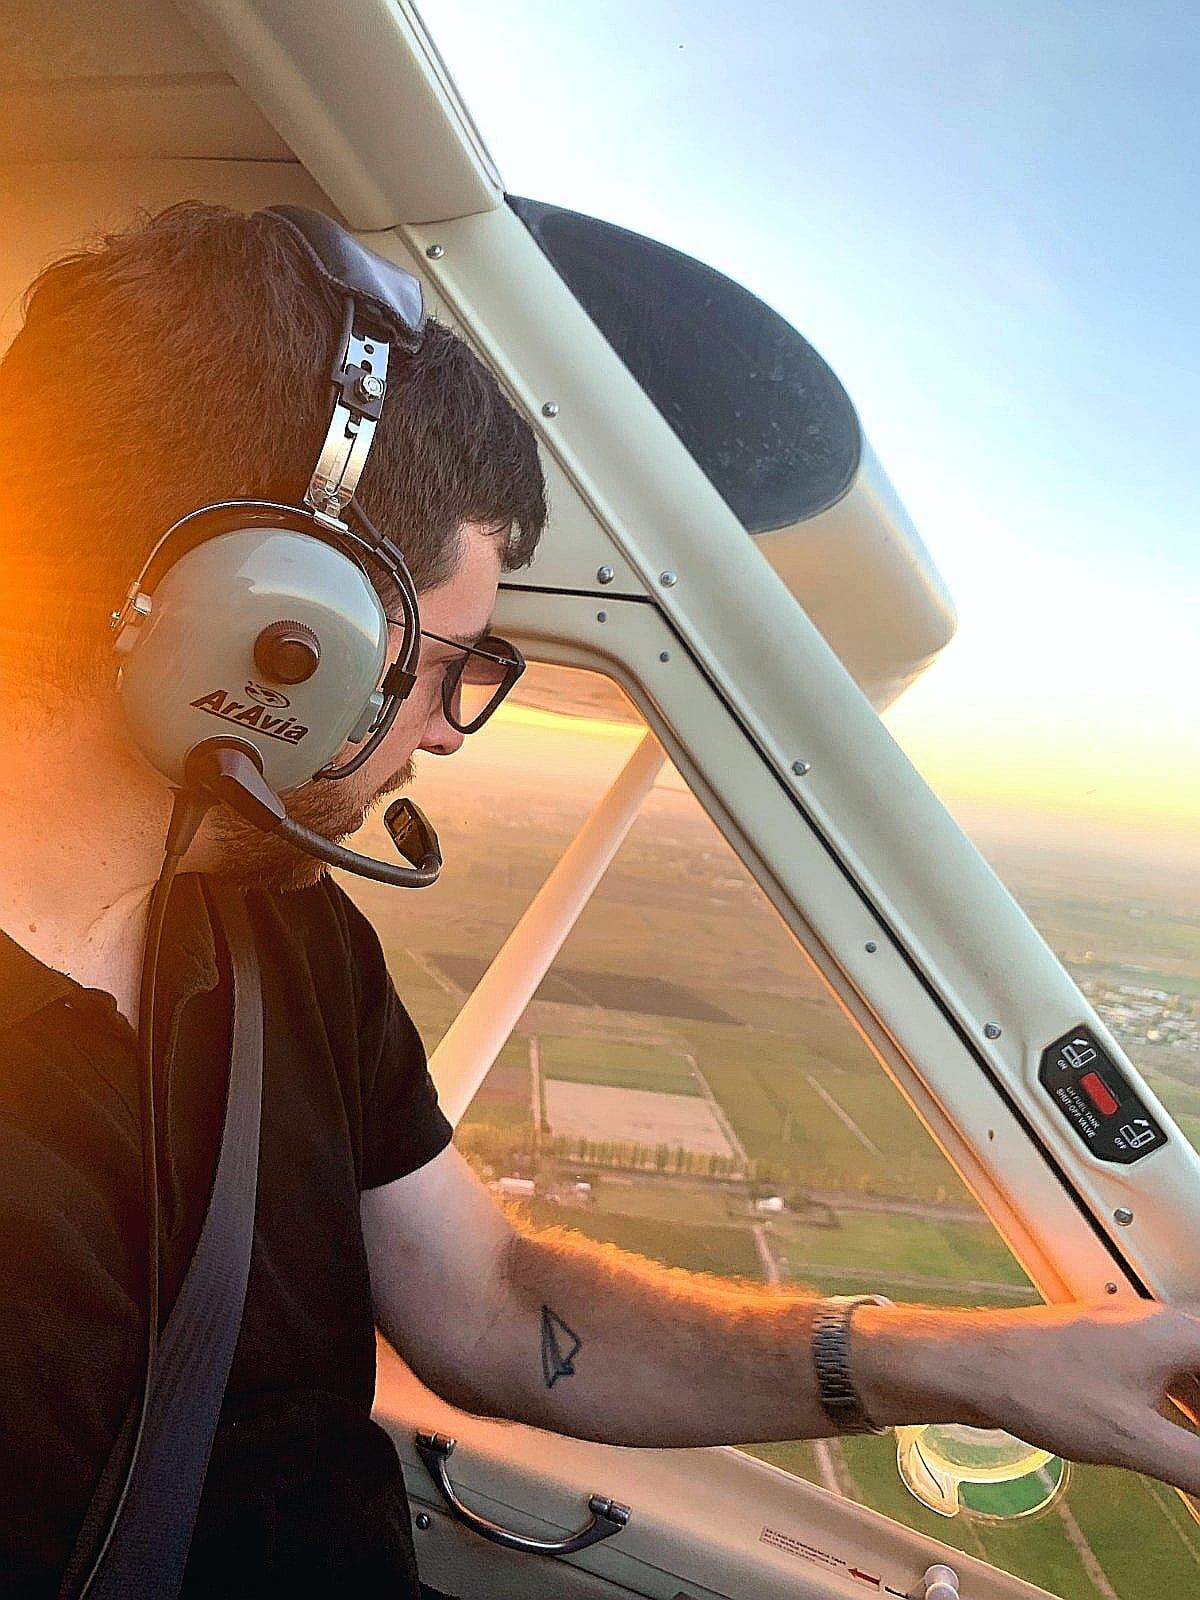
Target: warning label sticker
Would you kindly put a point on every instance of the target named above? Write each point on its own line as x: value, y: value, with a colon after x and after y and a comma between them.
x: 827, y: 1559
x: 798, y: 1547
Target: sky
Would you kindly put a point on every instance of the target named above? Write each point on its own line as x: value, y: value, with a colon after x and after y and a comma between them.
x: 984, y: 216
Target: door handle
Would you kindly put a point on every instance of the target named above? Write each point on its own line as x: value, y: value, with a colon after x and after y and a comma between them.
x: 608, y: 1517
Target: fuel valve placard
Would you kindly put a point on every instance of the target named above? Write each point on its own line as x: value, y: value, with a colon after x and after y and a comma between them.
x: 1092, y: 1094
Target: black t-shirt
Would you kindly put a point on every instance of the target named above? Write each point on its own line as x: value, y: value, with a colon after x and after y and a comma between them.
x: 303, y: 1494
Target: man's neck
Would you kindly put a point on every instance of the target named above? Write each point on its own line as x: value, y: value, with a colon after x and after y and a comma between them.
x: 82, y: 825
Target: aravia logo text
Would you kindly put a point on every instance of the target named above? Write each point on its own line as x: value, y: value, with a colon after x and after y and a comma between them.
x: 220, y: 704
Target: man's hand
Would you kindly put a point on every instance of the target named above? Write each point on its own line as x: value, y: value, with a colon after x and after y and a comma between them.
x: 1084, y: 1381
x: 553, y: 1330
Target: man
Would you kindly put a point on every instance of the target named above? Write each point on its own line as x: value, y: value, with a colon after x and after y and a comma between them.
x: 184, y: 362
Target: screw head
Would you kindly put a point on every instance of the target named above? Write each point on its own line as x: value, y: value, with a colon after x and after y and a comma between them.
x: 1110, y: 1288
x: 435, y: 252
x: 664, y: 655
x: 605, y: 574
x: 602, y: 616
x: 423, y: 1520
x: 1123, y: 1216
x: 991, y: 1030
x: 668, y: 580
x: 369, y: 387
x: 870, y: 947
x: 801, y: 767
x: 550, y: 409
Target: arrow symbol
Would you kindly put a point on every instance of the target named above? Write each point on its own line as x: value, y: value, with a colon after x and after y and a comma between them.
x: 865, y: 1577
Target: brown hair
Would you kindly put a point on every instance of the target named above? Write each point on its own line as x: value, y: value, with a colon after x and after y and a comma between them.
x: 186, y: 361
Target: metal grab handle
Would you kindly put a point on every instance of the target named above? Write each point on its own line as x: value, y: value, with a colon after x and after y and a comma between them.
x: 607, y: 1516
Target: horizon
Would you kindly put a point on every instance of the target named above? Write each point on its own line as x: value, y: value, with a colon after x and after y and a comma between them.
x: 1016, y: 839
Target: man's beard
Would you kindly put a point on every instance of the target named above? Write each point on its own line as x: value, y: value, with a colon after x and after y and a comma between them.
x: 252, y: 859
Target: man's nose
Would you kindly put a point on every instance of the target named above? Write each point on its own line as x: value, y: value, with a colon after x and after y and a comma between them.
x: 439, y: 738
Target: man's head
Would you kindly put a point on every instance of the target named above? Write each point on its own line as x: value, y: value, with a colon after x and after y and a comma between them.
x: 187, y: 361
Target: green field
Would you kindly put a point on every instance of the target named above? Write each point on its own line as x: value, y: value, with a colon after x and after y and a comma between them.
x: 919, y: 1259
x: 617, y: 1065
x: 702, y: 1247
x: 653, y: 1200
x: 762, y: 1081
x: 911, y: 1258
x: 958, y: 1252
x: 1181, y: 1099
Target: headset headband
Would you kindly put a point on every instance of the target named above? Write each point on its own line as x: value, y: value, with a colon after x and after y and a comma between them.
x: 383, y: 305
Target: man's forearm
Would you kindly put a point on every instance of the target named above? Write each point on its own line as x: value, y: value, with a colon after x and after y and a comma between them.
x: 590, y: 1341
x: 586, y: 1340
x: 550, y: 1329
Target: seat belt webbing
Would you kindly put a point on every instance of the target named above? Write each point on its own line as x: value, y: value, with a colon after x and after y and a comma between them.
x: 148, y: 1551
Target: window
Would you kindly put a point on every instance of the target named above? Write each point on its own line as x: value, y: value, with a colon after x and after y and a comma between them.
x: 714, y: 1109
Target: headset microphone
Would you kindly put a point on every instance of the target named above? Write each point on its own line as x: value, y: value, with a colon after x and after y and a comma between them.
x: 230, y: 773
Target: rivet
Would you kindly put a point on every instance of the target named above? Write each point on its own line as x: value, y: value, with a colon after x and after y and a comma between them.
x: 550, y: 409
x: 991, y: 1030
x: 605, y: 574
x: 602, y: 616
x: 668, y: 580
x: 423, y: 1521
x: 871, y: 947
x: 1123, y: 1216
x: 801, y: 767
x: 1110, y: 1288
x: 664, y: 655
x: 435, y: 252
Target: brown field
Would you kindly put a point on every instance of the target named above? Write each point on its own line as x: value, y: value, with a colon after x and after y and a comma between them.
x: 633, y: 1116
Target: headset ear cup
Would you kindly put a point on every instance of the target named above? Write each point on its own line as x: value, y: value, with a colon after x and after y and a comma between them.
x: 188, y: 669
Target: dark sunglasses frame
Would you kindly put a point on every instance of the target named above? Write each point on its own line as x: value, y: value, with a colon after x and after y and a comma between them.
x: 511, y: 660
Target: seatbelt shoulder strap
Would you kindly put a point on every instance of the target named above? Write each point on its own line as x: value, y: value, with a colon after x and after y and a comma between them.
x: 148, y: 1551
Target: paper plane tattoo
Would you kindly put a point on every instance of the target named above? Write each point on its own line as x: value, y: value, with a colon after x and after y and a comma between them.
x: 560, y: 1346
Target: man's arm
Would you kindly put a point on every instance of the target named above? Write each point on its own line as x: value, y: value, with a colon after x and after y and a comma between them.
x: 549, y: 1329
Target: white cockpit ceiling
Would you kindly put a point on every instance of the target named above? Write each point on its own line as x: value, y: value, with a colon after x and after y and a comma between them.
x: 96, y: 79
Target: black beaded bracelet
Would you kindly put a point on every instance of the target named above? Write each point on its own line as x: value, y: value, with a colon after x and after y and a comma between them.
x: 831, y: 1358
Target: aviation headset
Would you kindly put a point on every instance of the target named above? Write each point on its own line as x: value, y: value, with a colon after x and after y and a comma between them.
x: 253, y: 645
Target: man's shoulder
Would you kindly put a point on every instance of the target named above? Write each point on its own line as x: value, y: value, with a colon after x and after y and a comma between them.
x: 321, y: 911
x: 320, y: 928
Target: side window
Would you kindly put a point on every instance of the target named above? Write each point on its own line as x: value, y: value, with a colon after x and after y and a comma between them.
x: 683, y: 1085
